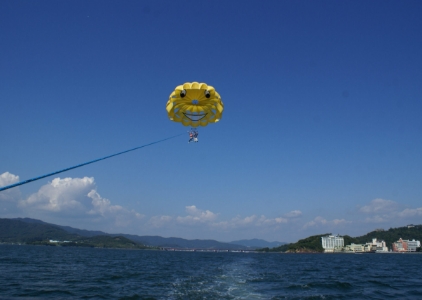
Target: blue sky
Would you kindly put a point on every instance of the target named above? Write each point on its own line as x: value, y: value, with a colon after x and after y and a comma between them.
x: 321, y: 130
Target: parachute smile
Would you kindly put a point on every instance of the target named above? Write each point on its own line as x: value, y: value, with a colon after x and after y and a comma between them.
x: 195, y: 117
x: 194, y: 104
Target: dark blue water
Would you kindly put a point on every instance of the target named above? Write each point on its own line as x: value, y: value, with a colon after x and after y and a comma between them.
x: 30, y: 272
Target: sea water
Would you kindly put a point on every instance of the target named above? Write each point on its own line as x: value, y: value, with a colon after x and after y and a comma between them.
x: 40, y: 272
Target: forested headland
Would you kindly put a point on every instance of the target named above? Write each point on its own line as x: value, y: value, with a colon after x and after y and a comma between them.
x: 313, y: 243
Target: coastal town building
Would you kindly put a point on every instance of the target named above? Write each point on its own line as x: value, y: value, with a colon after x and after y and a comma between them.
x: 374, y: 246
x: 56, y: 242
x: 332, y: 243
x: 381, y: 246
x: 406, y: 245
x: 368, y: 247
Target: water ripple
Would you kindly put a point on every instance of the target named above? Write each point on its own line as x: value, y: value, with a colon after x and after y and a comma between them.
x: 29, y: 272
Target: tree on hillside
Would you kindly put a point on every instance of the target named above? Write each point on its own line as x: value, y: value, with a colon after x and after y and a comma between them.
x: 313, y: 243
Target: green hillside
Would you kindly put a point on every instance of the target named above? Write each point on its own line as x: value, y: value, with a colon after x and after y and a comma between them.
x: 309, y: 244
x: 392, y: 235
x: 313, y: 243
x: 103, y: 241
x: 16, y: 231
x: 152, y: 241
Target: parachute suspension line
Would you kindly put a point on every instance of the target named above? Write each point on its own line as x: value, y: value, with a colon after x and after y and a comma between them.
x: 83, y: 164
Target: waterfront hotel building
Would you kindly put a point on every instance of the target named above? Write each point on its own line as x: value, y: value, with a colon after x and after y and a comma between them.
x: 406, y: 245
x: 332, y: 243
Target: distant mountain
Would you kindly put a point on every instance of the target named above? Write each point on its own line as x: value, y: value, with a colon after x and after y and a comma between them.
x: 257, y: 243
x: 18, y: 231
x: 155, y: 241
x: 174, y: 242
x: 309, y: 244
x: 35, y: 232
x: 81, y: 232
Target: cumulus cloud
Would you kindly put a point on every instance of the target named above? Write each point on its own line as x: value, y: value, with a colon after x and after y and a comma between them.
x: 68, y: 195
x: 293, y: 214
x: 264, y: 221
x: 8, y: 178
x: 78, y: 198
x: 103, y: 207
x: 12, y: 194
x: 196, y: 215
x: 250, y: 222
x: 9, y: 198
x: 411, y: 212
x: 378, y: 218
x: 159, y: 221
x: 383, y: 211
x: 320, y: 221
x: 379, y: 206
x: 246, y: 221
x: 71, y: 199
x: 388, y: 211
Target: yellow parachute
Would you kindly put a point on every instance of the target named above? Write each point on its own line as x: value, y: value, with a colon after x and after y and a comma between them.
x: 195, y: 104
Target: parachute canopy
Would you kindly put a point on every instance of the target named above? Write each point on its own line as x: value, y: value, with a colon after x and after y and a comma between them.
x: 195, y: 104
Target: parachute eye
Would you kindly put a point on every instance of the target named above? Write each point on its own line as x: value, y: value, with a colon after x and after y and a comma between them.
x: 207, y: 94
x: 182, y: 93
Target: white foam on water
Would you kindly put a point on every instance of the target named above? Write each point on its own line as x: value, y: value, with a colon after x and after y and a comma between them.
x: 230, y: 282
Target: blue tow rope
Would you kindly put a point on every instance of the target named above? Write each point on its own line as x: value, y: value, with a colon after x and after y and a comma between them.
x: 87, y: 163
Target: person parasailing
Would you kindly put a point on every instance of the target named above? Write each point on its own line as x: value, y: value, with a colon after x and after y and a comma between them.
x: 194, y: 104
x: 190, y: 136
x: 193, y: 135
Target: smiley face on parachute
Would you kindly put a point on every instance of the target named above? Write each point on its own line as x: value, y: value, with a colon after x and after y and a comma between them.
x: 195, y: 104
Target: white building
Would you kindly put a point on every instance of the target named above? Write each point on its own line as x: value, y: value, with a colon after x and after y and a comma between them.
x: 381, y: 245
x: 406, y: 245
x: 332, y: 243
x: 412, y: 245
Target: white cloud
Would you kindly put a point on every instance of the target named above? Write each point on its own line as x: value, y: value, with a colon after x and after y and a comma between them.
x: 196, y: 215
x: 378, y: 219
x: 238, y: 221
x: 379, y: 206
x: 387, y: 211
x: 340, y: 221
x: 316, y: 221
x: 411, y: 212
x: 8, y: 178
x: 72, y: 198
x: 67, y: 195
x: 12, y: 194
x: 76, y: 202
x: 293, y: 214
x: 9, y: 198
x: 251, y: 222
x: 320, y: 221
x: 159, y: 221
x: 102, y: 206
x: 280, y: 220
x: 264, y: 221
